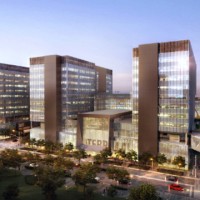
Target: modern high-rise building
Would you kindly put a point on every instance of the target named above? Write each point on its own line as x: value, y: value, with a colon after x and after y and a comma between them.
x: 14, y: 96
x: 163, y: 95
x: 60, y: 88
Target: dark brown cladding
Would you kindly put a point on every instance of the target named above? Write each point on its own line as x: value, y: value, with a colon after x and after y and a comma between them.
x: 102, y: 78
x: 148, y: 99
x: 37, y: 60
x: 77, y: 61
x: 52, y: 97
x: 13, y: 68
x: 182, y: 45
x: 136, y: 52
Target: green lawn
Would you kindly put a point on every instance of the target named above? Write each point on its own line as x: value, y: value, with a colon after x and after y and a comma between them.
x: 34, y: 192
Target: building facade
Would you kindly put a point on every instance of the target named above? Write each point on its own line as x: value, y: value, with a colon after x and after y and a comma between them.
x: 14, y: 96
x: 163, y: 95
x: 103, y: 129
x: 60, y: 88
x: 104, y: 101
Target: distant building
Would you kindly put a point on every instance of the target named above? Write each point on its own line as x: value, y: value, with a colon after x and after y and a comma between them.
x: 60, y: 88
x: 164, y: 88
x: 14, y: 96
x: 105, y: 101
x: 104, y: 79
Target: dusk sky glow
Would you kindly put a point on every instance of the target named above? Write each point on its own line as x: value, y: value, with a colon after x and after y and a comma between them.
x: 99, y: 31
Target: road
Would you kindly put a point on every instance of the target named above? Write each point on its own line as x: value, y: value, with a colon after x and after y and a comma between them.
x: 191, y: 185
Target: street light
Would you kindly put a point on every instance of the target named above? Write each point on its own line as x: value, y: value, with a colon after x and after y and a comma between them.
x: 151, y: 159
x: 179, y: 165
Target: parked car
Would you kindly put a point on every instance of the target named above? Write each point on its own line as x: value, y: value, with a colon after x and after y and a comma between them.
x: 96, y: 180
x: 125, y: 181
x: 171, y: 178
x: 176, y: 187
x: 31, y: 166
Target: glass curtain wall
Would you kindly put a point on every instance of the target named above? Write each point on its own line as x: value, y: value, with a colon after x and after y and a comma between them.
x: 78, y: 87
x: 109, y: 83
x: 96, y: 131
x: 135, y: 82
x: 174, y: 91
x: 37, y: 93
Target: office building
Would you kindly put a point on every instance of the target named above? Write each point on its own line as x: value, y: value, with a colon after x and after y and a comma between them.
x: 164, y: 87
x: 104, y: 129
x: 60, y: 88
x: 14, y: 96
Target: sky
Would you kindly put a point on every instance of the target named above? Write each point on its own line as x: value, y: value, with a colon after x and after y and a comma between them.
x: 99, y: 31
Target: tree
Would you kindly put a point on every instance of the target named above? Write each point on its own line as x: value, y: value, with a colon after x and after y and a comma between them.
x: 5, y: 132
x: 11, y: 192
x: 57, y: 146
x: 49, y: 160
x: 63, y: 163
x: 98, y: 159
x: 11, y: 158
x: 132, y: 156
x: 80, y: 154
x: 117, y: 174
x: 86, y: 174
x: 69, y: 146
x: 49, y: 179
x: 111, y: 192
x: 39, y: 143
x: 179, y: 161
x: 32, y: 142
x: 102, y: 156
x: 121, y: 153
x: 145, y: 157
x: 49, y: 146
x: 143, y: 192
x: 161, y: 158
x: 106, y: 152
x: 28, y: 156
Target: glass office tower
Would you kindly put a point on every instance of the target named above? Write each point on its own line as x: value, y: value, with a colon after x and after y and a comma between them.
x: 164, y: 88
x: 60, y: 88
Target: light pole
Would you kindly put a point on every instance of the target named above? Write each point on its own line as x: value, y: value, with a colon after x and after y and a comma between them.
x: 195, y: 167
x: 179, y: 165
x: 151, y: 159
